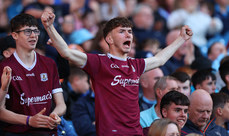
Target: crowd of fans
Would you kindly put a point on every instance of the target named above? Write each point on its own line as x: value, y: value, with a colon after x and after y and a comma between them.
x: 199, y: 69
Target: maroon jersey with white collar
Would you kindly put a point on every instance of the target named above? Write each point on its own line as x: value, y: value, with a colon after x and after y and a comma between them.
x: 31, y: 88
x: 116, y: 84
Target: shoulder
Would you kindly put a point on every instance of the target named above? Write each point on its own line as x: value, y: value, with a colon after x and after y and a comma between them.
x: 44, y: 59
x: 216, y: 130
x: 9, y: 61
x: 147, y: 113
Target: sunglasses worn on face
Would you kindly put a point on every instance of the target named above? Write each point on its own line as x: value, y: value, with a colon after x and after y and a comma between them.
x: 28, y: 32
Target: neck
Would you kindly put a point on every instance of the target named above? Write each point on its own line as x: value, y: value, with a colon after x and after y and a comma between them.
x: 178, y: 57
x: 123, y: 56
x: 26, y: 57
x: 157, y: 109
x: 220, y: 122
x: 149, y: 95
x: 227, y: 86
x: 223, y: 8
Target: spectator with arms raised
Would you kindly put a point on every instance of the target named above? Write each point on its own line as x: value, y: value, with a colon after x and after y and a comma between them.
x: 115, y: 76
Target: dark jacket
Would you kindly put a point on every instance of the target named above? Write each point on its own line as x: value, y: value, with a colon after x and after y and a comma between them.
x: 211, y: 129
x: 224, y: 90
x: 143, y: 105
x: 83, y: 116
x: 70, y: 97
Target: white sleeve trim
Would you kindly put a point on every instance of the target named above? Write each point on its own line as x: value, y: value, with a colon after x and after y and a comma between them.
x: 57, y: 90
x: 7, y: 96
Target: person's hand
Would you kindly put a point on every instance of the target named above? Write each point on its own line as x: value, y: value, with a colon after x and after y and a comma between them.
x: 48, y: 9
x: 186, y: 33
x: 41, y: 121
x: 6, y: 78
x: 47, y: 18
x: 56, y: 118
x: 49, y: 42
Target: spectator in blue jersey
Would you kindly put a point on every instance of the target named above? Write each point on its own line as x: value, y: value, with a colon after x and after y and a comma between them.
x: 221, y: 109
x: 184, y: 82
x: 200, y: 111
x: 161, y: 87
x: 222, y: 12
x: 147, y: 82
x: 224, y: 74
x: 204, y: 79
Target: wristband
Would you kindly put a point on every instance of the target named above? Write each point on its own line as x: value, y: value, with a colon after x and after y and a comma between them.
x: 27, y: 120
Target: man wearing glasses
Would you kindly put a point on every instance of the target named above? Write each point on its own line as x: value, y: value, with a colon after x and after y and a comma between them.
x: 34, y: 86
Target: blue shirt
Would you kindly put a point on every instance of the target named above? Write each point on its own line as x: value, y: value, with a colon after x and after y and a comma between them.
x: 148, y: 116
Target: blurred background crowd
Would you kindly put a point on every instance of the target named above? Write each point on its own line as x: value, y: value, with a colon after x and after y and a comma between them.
x: 156, y: 24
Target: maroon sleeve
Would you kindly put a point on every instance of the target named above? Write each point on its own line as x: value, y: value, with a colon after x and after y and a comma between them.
x: 92, y: 65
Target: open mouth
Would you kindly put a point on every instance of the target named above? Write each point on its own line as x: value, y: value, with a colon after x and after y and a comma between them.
x: 181, y: 121
x: 127, y: 43
x: 32, y: 41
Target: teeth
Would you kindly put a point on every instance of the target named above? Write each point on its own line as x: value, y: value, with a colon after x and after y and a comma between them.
x: 180, y: 120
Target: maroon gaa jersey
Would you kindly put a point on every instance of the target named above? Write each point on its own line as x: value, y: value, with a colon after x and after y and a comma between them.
x: 116, y: 83
x: 31, y: 88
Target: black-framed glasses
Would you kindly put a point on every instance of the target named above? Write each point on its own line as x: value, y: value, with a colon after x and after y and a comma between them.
x: 28, y: 32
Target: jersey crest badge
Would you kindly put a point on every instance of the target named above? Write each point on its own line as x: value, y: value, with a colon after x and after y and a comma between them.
x: 44, y: 77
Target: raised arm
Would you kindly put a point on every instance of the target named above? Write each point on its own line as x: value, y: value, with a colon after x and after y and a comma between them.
x: 77, y: 57
x: 160, y: 58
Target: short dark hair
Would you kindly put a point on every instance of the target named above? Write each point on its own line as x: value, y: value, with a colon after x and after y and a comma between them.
x: 173, y: 97
x: 219, y: 100
x: 181, y: 76
x: 114, y: 23
x: 76, y: 72
x: 7, y: 42
x: 22, y: 20
x: 210, y: 48
x: 224, y: 70
x: 201, y: 75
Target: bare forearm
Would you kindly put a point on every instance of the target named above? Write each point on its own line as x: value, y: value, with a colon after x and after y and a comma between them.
x: 11, y: 117
x: 58, y: 42
x: 168, y: 52
x: 161, y: 57
x: 60, y: 109
x: 2, y: 97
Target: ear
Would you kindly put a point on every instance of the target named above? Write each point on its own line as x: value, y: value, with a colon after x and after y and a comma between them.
x: 164, y: 112
x: 219, y: 111
x: 14, y: 35
x: 227, y: 78
x: 198, y: 86
x: 159, y: 94
x: 210, y: 57
x: 144, y: 84
x: 109, y: 39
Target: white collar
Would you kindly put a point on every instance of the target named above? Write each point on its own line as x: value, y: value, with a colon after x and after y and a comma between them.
x: 115, y: 57
x: 23, y: 64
